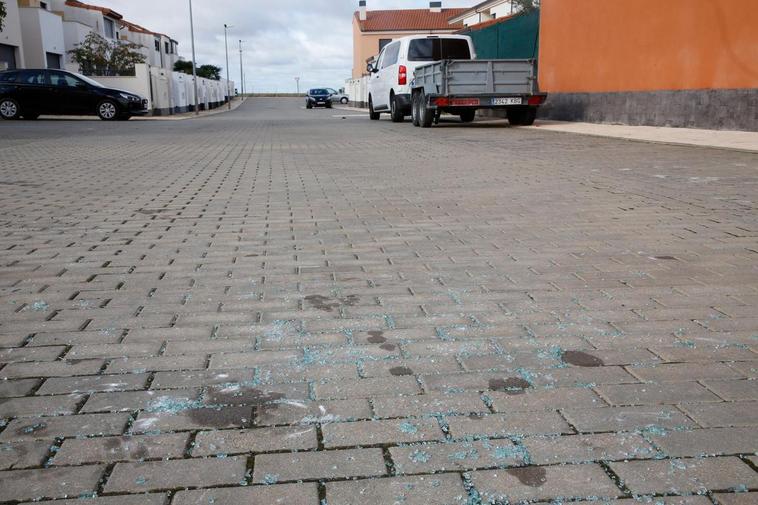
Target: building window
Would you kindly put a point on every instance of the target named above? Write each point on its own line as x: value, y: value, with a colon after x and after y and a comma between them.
x: 43, y: 5
x: 110, y: 29
x: 7, y: 57
x: 382, y: 43
x: 157, y: 45
x: 53, y: 60
x: 168, y: 48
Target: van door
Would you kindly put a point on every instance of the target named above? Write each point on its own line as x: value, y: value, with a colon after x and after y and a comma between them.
x: 374, y: 85
x: 387, y: 75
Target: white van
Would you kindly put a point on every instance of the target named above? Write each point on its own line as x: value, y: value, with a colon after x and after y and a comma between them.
x: 389, y: 79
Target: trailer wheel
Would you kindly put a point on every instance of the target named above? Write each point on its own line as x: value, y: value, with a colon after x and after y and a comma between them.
x: 415, y: 109
x: 468, y: 115
x: 425, y: 114
x: 522, y: 116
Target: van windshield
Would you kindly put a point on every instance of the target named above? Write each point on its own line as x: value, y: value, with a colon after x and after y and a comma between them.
x: 436, y: 49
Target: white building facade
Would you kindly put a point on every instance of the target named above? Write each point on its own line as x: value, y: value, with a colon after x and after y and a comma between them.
x: 486, y: 11
x: 11, y: 41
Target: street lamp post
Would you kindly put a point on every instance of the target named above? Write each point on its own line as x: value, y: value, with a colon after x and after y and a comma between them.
x: 226, y: 47
x: 297, y: 83
x: 194, y: 69
x: 242, y: 74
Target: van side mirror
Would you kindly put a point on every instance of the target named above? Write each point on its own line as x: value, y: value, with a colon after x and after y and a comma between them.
x: 370, y: 68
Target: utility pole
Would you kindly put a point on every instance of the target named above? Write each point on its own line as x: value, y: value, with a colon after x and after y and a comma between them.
x: 194, y: 69
x: 242, y: 73
x: 297, y: 83
x: 226, y: 46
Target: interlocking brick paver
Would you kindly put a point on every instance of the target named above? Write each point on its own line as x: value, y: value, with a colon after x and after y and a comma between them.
x: 686, y: 475
x: 255, y: 440
x: 544, y: 483
x: 282, y: 494
x: 273, y: 468
x: 148, y: 476
x: 264, y: 297
x: 444, y: 489
x: 49, y: 482
x: 16, y: 455
x: 112, y: 449
x: 142, y: 499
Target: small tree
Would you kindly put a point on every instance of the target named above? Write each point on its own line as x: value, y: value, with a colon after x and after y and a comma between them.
x: 207, y: 71
x: 183, y: 66
x: 99, y: 56
x: 525, y: 5
x: 3, y: 13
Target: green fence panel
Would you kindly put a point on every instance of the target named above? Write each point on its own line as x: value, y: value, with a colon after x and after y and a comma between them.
x: 513, y: 38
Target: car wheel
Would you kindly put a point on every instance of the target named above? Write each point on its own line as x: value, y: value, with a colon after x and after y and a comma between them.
x: 107, y: 110
x: 343, y: 100
x: 425, y: 114
x: 395, y: 113
x: 414, y: 110
x: 308, y: 105
x: 328, y: 106
x: 9, y: 109
x: 468, y: 116
x: 371, y: 114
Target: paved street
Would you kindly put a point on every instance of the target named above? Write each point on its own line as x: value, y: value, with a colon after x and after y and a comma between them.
x: 283, y: 306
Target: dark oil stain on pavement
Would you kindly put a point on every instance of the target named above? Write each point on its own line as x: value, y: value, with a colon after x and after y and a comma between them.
x: 376, y: 337
x: 511, y: 386
x: 231, y: 409
x: 578, y: 358
x: 388, y: 347
x: 533, y: 476
x: 328, y: 304
x: 401, y: 370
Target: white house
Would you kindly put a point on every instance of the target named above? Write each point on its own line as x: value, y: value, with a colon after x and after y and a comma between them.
x: 160, y: 50
x: 11, y: 42
x: 80, y: 19
x: 485, y: 11
x: 42, y: 34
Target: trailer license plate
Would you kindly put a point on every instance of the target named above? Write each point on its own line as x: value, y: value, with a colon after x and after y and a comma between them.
x: 506, y: 101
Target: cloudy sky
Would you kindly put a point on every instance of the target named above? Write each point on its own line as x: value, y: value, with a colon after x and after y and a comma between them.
x: 282, y: 38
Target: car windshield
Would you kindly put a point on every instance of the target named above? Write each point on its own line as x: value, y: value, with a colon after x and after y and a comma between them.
x: 438, y: 49
x: 319, y: 92
x: 89, y: 81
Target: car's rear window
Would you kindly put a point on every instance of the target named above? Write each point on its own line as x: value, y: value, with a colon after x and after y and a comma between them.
x: 8, y: 76
x: 31, y: 77
x: 438, y: 49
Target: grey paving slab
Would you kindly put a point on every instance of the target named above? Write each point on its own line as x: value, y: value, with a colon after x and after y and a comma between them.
x: 216, y: 309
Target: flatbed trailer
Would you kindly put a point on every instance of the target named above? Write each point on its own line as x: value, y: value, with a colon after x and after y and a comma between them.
x: 462, y: 87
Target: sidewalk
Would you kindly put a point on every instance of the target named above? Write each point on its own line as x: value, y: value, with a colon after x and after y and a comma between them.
x: 174, y: 117
x: 721, y: 139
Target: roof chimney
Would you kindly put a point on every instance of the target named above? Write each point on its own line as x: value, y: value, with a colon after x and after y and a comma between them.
x: 435, y: 6
x: 362, y: 10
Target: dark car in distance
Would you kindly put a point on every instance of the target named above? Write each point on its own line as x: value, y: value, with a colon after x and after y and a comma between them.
x: 29, y: 93
x: 318, y: 96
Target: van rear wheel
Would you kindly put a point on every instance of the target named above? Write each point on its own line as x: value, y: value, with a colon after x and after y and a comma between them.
x: 396, y: 113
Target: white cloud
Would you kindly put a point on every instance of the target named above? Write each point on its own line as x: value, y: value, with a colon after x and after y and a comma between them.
x: 282, y: 38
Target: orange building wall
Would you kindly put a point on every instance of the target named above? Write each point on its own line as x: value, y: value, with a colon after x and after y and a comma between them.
x: 644, y: 45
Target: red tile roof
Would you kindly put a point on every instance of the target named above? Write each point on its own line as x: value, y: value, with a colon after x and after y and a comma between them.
x: 104, y: 10
x: 409, y: 19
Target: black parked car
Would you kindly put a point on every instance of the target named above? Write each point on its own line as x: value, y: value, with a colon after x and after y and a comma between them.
x: 318, y: 96
x: 30, y: 92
